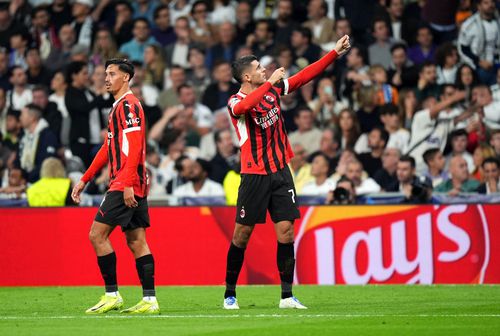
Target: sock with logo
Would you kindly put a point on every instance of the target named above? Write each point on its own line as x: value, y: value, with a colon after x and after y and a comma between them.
x: 235, y: 257
x: 146, y: 270
x: 107, y: 265
x: 286, y: 265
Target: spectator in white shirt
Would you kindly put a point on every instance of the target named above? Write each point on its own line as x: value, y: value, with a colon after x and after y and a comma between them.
x: 321, y: 185
x: 306, y: 134
x: 20, y: 95
x: 362, y: 185
x: 199, y: 185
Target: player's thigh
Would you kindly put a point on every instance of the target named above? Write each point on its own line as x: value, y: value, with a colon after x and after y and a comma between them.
x: 253, y: 199
x: 100, y: 231
x: 283, y: 205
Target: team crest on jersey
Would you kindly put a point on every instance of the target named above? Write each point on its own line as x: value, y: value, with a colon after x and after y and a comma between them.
x: 269, y: 99
x: 130, y: 115
x: 242, y: 212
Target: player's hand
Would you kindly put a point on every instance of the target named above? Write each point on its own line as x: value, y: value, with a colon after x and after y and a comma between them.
x: 77, y: 190
x: 343, y: 45
x: 277, y: 75
x: 129, y: 198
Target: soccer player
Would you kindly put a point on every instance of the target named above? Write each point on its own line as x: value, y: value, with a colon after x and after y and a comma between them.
x: 125, y: 203
x: 266, y: 182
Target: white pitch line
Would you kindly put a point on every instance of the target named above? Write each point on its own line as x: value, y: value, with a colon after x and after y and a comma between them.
x: 78, y: 317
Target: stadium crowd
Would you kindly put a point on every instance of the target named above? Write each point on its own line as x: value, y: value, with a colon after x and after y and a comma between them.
x: 414, y: 107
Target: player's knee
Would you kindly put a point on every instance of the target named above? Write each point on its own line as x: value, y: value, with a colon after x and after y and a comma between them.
x: 135, y: 244
x: 241, y: 237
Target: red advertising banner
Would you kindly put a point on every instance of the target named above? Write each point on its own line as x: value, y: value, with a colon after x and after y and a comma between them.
x: 334, y: 245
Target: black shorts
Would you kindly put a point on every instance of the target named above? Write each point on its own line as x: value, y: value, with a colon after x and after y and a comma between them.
x: 113, y: 211
x: 259, y: 193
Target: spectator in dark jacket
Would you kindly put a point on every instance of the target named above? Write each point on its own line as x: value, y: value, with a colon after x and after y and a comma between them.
x: 225, y: 157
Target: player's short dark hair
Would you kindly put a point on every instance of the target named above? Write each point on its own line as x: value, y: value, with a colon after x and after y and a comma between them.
x: 408, y: 158
x: 123, y: 64
x: 493, y: 160
x: 74, y: 68
x: 241, y: 65
x: 430, y: 154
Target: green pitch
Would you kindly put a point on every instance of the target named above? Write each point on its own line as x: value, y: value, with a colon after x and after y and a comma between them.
x: 333, y: 310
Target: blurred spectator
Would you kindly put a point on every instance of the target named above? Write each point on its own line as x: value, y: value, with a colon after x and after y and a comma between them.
x: 464, y: 11
x: 13, y: 130
x: 244, y: 22
x: 21, y: 94
x: 83, y: 108
x: 360, y: 14
x: 37, y: 143
x: 407, y: 106
x: 16, y: 184
x: 435, y: 161
x: 225, y: 49
x: 371, y: 159
x: 232, y: 182
x: 306, y: 134
x: 19, y: 41
x: 36, y: 72
x: 285, y: 23
x: 223, y: 10
x: 179, y: 8
x: 217, y: 94
x: 83, y: 23
x: 158, y: 184
x: 386, y: 176
x: 491, y: 177
x: 142, y: 38
x: 481, y: 153
x: 380, y: 51
x: 4, y: 69
x: 262, y: 40
x: 362, y: 185
x: 395, y: 9
x: 200, y: 114
x: 447, y: 63
x: 7, y: 26
x: 424, y: 50
x: 43, y: 31
x: 481, y: 94
x: 368, y: 113
x: 427, y: 85
x: 399, y: 137
x: 349, y: 128
x: 495, y: 142
x: 197, y: 75
x: 385, y: 93
x: 479, y: 41
x: 169, y: 97
x: 49, y: 109
x: 405, y: 174
x: 495, y: 88
x: 124, y: 22
x: 207, y: 141
x: 98, y: 87
x: 431, y: 126
x: 322, y: 184
x: 344, y: 193
x: 466, y: 79
x: 299, y: 168
x: 152, y: 112
x: 177, y: 53
x: 58, y: 85
x: 320, y: 25
x: 202, y: 30
x: 325, y: 106
x: 104, y: 47
x: 60, y: 57
x: 144, y: 9
x: 459, y: 179
x: 355, y: 74
x: 175, y: 164
x: 401, y: 73
x: 458, y: 144
x: 328, y: 146
x: 154, y: 65
x: 264, y: 9
x: 53, y: 188
x: 225, y: 157
x: 441, y: 18
x: 199, y: 185
x: 60, y: 13
x: 303, y: 47
x: 162, y: 30
x: 3, y: 111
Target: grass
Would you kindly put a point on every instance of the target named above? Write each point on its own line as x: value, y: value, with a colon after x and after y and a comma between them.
x: 339, y: 310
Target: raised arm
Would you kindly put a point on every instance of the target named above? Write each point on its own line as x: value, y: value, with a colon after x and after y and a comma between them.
x: 313, y: 70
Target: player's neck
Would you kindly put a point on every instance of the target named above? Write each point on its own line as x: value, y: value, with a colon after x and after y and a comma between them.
x: 248, y: 88
x: 124, y: 89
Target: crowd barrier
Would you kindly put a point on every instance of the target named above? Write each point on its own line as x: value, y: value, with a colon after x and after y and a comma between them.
x: 375, y: 244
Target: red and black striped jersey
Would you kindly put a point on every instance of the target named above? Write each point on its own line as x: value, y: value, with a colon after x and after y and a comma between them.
x: 263, y: 139
x: 125, y: 147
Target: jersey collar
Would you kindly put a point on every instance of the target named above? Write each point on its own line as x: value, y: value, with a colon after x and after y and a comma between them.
x: 118, y: 100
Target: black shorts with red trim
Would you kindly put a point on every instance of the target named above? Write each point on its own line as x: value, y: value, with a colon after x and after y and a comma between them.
x: 259, y: 193
x: 113, y: 211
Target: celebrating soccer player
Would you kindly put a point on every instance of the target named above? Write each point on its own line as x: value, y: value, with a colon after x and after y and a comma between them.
x: 266, y: 181
x: 125, y: 203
